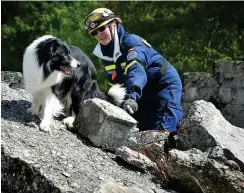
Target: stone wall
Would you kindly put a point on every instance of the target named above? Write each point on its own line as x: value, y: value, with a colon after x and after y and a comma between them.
x: 224, y: 88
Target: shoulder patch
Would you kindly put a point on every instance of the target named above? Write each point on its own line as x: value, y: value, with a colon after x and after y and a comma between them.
x: 131, y: 55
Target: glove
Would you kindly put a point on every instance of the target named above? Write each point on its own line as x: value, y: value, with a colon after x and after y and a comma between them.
x: 130, y: 106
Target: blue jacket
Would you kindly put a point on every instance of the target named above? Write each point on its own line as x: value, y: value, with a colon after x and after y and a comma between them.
x: 131, y: 61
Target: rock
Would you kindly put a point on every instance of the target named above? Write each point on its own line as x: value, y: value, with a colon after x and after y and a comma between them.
x: 111, y: 187
x: 194, y: 172
x: 147, y: 139
x: 223, y: 68
x: 232, y: 165
x: 224, y: 88
x: 198, y: 86
x: 104, y: 124
x: 204, y: 127
x: 147, y: 144
x: 135, y: 158
x: 216, y: 153
x: 35, y: 162
x: 13, y: 79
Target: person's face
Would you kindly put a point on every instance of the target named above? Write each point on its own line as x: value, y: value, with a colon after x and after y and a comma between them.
x: 103, y: 35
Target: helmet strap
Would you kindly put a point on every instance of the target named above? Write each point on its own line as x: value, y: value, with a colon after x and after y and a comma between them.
x: 111, y: 31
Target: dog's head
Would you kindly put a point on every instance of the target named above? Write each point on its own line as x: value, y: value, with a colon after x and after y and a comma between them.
x: 56, y: 56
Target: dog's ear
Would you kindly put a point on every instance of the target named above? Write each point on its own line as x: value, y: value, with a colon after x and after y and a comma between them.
x: 50, y: 46
x: 54, y: 47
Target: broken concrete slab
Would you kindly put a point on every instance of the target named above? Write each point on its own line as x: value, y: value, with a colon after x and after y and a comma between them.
x: 104, y: 124
x: 204, y: 127
x: 135, y: 158
x: 224, y: 88
x: 194, y: 172
x: 37, y: 162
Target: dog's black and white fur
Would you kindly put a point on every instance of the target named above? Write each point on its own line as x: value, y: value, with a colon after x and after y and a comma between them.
x: 60, y: 77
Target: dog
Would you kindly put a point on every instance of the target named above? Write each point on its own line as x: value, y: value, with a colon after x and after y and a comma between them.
x: 60, y: 77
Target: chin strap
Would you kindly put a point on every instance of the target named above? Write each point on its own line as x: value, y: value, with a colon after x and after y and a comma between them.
x: 112, y: 31
x: 115, y: 40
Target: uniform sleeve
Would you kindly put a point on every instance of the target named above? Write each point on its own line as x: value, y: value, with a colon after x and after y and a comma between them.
x: 135, y: 77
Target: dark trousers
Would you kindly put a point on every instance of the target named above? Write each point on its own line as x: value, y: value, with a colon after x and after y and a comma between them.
x: 160, y: 104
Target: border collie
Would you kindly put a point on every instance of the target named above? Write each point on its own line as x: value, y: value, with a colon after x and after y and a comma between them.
x: 60, y: 77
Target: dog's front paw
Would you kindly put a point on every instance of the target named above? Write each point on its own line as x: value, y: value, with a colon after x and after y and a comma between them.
x: 45, y: 126
x: 69, y: 121
x: 32, y: 111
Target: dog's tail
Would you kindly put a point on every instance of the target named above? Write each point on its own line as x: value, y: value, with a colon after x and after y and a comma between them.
x: 117, y: 94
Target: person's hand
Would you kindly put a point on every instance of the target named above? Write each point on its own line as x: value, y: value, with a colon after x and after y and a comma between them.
x: 130, y: 106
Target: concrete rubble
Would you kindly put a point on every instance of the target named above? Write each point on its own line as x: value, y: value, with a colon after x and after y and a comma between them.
x: 36, y: 162
x: 224, y: 88
x: 208, y: 156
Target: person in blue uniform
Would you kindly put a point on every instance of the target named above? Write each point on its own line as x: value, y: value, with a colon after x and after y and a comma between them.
x: 153, y: 85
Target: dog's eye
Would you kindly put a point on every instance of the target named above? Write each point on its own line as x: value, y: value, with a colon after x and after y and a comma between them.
x: 61, y: 54
x: 58, y: 54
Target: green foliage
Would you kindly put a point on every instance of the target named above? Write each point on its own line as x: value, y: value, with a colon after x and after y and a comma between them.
x: 191, y: 35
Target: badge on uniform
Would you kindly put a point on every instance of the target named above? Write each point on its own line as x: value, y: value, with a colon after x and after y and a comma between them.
x: 131, y: 55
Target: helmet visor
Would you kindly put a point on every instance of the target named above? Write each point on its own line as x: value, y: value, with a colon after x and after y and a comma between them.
x: 91, y: 20
x: 95, y: 19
